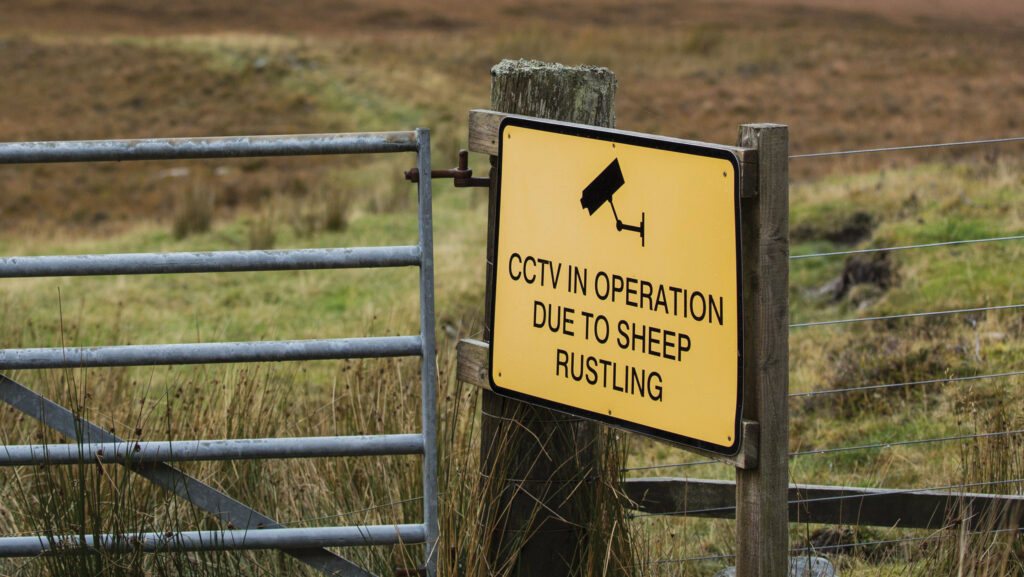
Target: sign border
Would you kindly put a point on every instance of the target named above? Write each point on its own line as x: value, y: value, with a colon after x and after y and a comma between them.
x: 647, y: 141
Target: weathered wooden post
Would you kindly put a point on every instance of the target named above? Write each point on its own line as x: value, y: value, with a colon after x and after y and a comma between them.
x: 539, y: 464
x: 762, y: 513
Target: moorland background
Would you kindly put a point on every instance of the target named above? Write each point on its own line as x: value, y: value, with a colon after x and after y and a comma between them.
x: 842, y: 75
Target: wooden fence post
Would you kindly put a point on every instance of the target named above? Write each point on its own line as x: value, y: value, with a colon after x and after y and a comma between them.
x: 539, y: 465
x: 762, y: 518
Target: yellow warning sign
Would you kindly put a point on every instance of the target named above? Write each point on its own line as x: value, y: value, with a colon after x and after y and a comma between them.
x: 616, y: 280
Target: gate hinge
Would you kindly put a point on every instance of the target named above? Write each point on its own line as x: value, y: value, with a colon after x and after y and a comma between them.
x: 462, y: 176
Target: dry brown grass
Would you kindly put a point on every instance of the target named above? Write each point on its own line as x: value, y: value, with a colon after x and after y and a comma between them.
x: 840, y: 79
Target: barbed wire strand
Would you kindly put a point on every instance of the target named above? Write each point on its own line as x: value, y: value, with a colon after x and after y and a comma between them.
x: 844, y: 449
x: 906, y: 247
x: 693, y: 512
x: 908, y: 384
x: 910, y: 147
x: 905, y: 316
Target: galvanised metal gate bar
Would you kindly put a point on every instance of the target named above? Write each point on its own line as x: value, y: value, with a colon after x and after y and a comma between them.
x: 221, y: 540
x: 204, y: 353
x: 304, y: 543
x: 223, y: 261
x: 217, y: 147
x: 220, y: 450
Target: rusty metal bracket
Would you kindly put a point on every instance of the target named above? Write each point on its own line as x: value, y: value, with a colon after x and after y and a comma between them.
x: 462, y: 176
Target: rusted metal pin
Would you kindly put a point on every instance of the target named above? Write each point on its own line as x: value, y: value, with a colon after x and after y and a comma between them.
x: 462, y: 176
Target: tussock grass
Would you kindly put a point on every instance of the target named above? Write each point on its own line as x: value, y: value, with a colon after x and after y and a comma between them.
x: 926, y: 203
x: 193, y: 211
x: 374, y: 396
x: 235, y: 401
x: 262, y: 231
x: 381, y: 396
x: 840, y: 81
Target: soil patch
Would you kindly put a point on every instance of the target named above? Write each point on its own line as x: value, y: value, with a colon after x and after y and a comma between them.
x: 849, y: 230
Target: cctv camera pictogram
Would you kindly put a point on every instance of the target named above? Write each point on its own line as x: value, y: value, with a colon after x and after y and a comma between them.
x: 601, y: 191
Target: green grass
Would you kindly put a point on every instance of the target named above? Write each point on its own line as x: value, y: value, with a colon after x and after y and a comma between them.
x: 412, y: 85
x: 915, y: 205
x: 369, y: 397
x: 230, y: 401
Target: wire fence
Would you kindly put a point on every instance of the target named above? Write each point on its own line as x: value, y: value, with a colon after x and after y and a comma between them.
x: 837, y: 498
x: 1004, y: 371
x: 845, y: 546
x: 910, y: 147
x: 907, y: 247
x: 903, y: 385
x: 868, y: 447
x: 891, y: 444
x: 906, y: 316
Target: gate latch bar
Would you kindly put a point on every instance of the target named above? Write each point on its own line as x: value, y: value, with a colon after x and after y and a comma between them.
x: 462, y: 176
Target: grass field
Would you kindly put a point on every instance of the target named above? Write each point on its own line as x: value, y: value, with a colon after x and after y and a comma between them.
x: 841, y: 79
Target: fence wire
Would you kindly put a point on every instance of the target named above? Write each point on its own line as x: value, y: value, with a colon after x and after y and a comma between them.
x: 904, y: 443
x: 671, y: 465
x: 906, y: 316
x: 846, y: 449
x: 910, y: 147
x: 906, y: 247
x: 939, y: 537
x: 708, y: 510
x: 903, y: 385
x: 841, y: 546
x: 953, y: 487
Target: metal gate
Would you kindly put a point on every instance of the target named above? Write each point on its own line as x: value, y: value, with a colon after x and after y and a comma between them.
x: 254, y: 530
